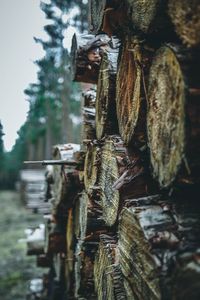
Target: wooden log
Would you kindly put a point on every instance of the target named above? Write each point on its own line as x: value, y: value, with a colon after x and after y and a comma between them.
x: 185, y: 17
x: 66, y: 179
x: 106, y: 120
x: 89, y: 223
x: 89, y: 128
x: 43, y: 261
x: 121, y: 177
x: 55, y: 240
x: 107, y: 272
x: 86, y: 53
x: 106, y: 16
x: 84, y: 278
x: 129, y: 94
x: 91, y: 168
x: 154, y: 235
x: 36, y: 241
x: 149, y: 17
x: 172, y: 122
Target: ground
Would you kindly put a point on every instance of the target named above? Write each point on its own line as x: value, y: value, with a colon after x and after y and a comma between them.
x: 16, y: 269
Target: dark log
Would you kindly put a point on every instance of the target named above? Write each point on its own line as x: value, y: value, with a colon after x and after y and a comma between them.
x: 84, y: 277
x: 89, y: 129
x: 185, y: 17
x: 88, y: 219
x: 107, y: 272
x: 106, y: 16
x: 106, y: 120
x: 131, y: 108
x: 158, y: 246
x: 86, y: 53
x: 172, y: 122
x: 149, y: 17
x: 121, y: 177
x: 55, y: 239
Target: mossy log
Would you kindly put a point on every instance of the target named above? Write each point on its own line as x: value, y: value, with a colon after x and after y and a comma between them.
x: 185, y: 17
x: 86, y: 53
x: 121, y: 177
x: 158, y: 243
x: 107, y: 273
x: 173, y: 106
x: 149, y: 17
x: 130, y: 101
x: 106, y: 120
x: 106, y: 16
x: 89, y: 128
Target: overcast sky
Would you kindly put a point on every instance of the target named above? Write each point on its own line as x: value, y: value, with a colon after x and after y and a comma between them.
x: 20, y: 20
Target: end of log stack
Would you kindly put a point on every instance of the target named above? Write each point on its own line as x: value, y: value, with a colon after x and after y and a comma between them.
x: 86, y: 53
x: 185, y: 17
x: 166, y: 116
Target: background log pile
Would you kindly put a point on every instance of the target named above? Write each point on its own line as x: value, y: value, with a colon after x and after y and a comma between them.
x: 125, y: 217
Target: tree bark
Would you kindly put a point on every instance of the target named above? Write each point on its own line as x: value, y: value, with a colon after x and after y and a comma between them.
x: 106, y: 120
x: 185, y: 17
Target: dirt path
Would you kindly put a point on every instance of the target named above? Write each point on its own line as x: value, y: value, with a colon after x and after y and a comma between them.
x: 15, y: 267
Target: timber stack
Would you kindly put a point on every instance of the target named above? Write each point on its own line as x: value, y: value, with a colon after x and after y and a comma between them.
x: 125, y: 217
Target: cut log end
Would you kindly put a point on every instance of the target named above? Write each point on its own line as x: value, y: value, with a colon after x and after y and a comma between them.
x: 128, y: 96
x: 166, y: 115
x: 185, y: 17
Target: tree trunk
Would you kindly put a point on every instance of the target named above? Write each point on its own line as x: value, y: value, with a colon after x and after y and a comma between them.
x: 185, y: 17
x: 106, y: 121
x: 86, y: 53
x: 168, y: 111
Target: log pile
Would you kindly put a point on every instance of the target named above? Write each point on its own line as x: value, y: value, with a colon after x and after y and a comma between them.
x: 124, y: 222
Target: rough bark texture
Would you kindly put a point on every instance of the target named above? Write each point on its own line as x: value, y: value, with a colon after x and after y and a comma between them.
x: 107, y: 273
x: 106, y: 121
x: 185, y: 17
x: 129, y: 92
x: 85, y: 67
x: 158, y: 242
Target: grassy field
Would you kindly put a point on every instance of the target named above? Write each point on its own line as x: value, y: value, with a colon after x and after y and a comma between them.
x: 15, y: 267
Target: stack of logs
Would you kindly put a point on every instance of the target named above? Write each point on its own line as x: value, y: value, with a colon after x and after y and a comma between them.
x: 125, y: 218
